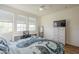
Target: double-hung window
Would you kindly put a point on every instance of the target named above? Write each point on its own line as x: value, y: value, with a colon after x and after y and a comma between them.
x: 6, y: 21
x: 32, y: 24
x: 21, y: 23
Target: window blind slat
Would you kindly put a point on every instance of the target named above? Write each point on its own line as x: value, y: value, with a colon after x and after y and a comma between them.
x: 6, y: 16
x: 32, y: 24
x: 21, y: 19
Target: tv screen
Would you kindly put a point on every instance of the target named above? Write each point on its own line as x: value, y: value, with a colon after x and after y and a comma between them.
x: 60, y: 23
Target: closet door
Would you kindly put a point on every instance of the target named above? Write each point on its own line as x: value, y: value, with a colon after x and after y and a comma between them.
x: 59, y: 34
x: 56, y: 36
x: 59, y: 31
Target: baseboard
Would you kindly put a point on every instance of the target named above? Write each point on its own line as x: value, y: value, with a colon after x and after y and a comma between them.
x: 72, y: 45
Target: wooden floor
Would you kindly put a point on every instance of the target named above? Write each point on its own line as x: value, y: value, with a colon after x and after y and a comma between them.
x: 69, y: 49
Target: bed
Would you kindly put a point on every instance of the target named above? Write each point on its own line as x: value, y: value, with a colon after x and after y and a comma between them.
x: 31, y: 45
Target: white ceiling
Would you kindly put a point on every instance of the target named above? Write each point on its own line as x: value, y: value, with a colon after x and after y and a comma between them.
x: 49, y: 8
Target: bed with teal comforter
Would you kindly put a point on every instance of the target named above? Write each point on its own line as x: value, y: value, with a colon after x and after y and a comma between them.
x: 31, y: 45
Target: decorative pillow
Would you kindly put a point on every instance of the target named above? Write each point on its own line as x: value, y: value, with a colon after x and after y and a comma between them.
x: 52, y: 45
x: 3, y: 48
x: 43, y: 50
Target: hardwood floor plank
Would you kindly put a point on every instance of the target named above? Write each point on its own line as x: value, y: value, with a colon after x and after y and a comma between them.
x: 69, y: 49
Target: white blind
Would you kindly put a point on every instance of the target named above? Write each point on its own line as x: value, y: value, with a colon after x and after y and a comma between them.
x: 21, y: 19
x: 32, y: 21
x: 6, y: 20
x: 6, y: 16
x: 21, y: 23
x: 32, y: 24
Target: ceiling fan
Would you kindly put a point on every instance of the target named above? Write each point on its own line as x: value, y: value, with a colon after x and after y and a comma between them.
x: 42, y: 7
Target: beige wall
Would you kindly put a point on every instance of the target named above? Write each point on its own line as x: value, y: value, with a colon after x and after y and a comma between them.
x: 72, y: 30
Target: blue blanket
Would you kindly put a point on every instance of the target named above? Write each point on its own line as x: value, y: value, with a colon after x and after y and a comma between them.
x: 44, y: 46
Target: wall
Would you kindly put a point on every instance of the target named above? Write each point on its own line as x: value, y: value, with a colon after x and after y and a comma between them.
x: 72, y: 29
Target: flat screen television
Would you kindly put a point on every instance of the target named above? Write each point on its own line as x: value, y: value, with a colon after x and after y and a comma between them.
x: 60, y: 23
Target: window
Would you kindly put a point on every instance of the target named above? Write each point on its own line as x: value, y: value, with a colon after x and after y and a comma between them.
x: 32, y: 24
x: 6, y: 19
x: 5, y: 27
x: 21, y: 23
x: 31, y: 27
x: 21, y: 27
